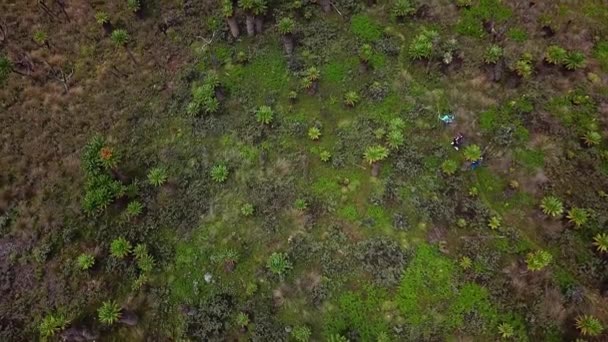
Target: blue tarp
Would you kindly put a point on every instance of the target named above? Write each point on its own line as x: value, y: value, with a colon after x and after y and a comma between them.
x: 447, y: 118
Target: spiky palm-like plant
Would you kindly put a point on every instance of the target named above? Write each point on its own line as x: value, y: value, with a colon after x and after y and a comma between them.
x: 524, y: 68
x: 493, y: 54
x: 505, y: 330
x: 325, y: 156
x: 402, y: 8
x: 465, y: 262
x: 374, y: 154
x: 228, y: 13
x: 301, y: 333
x: 286, y: 27
x: 395, y: 138
x: 449, y: 167
x: 494, y: 222
x: 102, y: 18
x: 133, y: 5
x: 242, y: 320
x: 313, y: 74
x: 555, y: 55
x: 538, y: 260
x: 145, y: 262
x: 588, y: 325
x: 577, y: 216
x: 51, y: 324
x: 336, y: 338
x: 219, y: 173
x: 140, y: 250
x: 351, y: 98
x: 264, y: 115
x: 472, y: 152
x: 365, y: 53
x: 204, y: 99
x: 314, y: 133
x: 120, y: 37
x: 592, y: 138
x: 396, y: 124
x: 301, y: 204
x: 134, y: 208
x: 552, y: 206
x: 423, y: 44
x: 278, y: 263
x: 575, y: 60
x: 109, y: 312
x: 600, y: 241
x: 41, y: 38
x: 85, y: 261
x: 310, y: 76
x: 120, y: 248
x: 157, y: 176
x: 247, y: 209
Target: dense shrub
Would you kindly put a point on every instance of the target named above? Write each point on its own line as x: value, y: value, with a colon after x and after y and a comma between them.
x: 431, y: 301
x: 423, y: 45
x: 365, y: 28
x: 384, y: 259
x: 471, y: 20
x: 267, y: 328
x: 357, y: 315
x: 100, y: 186
x: 209, y: 319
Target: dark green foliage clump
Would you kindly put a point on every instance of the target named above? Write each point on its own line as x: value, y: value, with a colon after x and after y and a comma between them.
x: 402, y: 8
x: 358, y: 314
x: 203, y: 97
x: 278, y: 263
x: 556, y: 55
x: 5, y: 68
x: 101, y: 190
x: 384, y: 259
x: 100, y: 187
x: 423, y: 44
x: 365, y: 28
x: 518, y: 35
x: 431, y: 301
x: 208, y: 320
x: 471, y: 19
x: 575, y: 60
x: 52, y: 324
x: 134, y: 5
x: 493, y: 54
x: 600, y: 53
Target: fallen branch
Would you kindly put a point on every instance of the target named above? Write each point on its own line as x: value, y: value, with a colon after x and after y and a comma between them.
x: 336, y: 8
x: 3, y: 31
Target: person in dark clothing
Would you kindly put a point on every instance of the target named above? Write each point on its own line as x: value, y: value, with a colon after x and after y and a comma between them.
x: 476, y: 164
x: 457, y: 141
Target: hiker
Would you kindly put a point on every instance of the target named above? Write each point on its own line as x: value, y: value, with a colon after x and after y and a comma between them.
x: 476, y: 163
x: 457, y: 141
